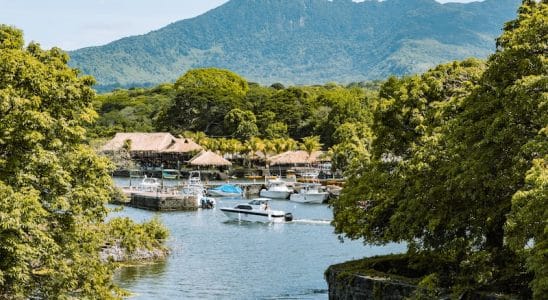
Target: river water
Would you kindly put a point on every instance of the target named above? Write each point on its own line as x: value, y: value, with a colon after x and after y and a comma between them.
x: 214, y: 258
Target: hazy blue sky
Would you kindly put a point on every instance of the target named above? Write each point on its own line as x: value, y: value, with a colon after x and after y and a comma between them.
x: 73, y: 24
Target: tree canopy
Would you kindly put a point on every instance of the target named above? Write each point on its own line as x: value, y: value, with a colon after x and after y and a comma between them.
x: 52, y: 186
x: 458, y: 154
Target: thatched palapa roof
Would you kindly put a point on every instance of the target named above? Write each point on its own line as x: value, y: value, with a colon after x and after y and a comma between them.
x: 183, y: 145
x: 140, y: 141
x: 295, y: 157
x: 151, y: 142
x: 208, y: 158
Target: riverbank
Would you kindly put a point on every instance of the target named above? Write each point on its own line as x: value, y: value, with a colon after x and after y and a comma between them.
x: 118, y: 253
x: 128, y: 241
x: 400, y: 277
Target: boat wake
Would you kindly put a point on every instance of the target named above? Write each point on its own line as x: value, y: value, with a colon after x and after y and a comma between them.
x: 312, y: 221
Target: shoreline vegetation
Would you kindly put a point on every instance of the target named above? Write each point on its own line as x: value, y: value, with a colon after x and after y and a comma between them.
x: 453, y: 162
x: 129, y: 242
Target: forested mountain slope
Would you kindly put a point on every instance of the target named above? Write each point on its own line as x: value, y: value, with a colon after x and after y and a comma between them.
x: 303, y: 41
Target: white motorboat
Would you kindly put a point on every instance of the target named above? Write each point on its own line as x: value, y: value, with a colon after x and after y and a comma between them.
x: 149, y: 184
x: 195, y: 187
x: 310, y: 193
x: 257, y: 210
x: 276, y: 189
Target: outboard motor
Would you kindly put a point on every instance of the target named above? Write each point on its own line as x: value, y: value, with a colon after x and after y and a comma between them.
x: 288, y: 217
x: 208, y: 203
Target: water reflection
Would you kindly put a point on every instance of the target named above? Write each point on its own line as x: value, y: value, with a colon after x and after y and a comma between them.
x: 132, y: 273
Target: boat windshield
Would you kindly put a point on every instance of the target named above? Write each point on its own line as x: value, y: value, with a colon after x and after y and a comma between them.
x: 258, y: 202
x: 244, y: 207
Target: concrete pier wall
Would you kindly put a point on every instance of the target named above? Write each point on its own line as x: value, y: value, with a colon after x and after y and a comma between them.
x: 162, y: 202
x: 348, y: 286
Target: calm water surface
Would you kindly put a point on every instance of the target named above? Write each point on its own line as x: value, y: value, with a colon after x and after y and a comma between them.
x: 213, y: 258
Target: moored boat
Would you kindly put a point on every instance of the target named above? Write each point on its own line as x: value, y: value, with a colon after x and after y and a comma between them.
x: 310, y: 193
x: 276, y: 189
x: 257, y: 210
x: 171, y: 174
x: 226, y: 190
x: 195, y: 187
x: 149, y: 184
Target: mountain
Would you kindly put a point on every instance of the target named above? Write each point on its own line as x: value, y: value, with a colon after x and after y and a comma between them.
x: 303, y: 41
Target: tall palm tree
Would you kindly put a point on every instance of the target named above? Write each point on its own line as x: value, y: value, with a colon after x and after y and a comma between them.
x: 234, y: 146
x: 278, y: 145
x: 253, y: 145
x: 311, y: 144
x: 291, y: 144
x: 268, y: 148
x: 199, y: 137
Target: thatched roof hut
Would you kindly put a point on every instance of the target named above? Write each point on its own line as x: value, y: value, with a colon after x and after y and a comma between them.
x: 208, y: 158
x: 140, y: 141
x: 295, y: 158
x: 151, y: 142
x: 183, y: 145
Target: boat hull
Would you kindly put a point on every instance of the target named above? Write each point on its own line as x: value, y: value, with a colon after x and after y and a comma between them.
x: 316, y: 198
x: 253, y: 216
x: 274, y: 194
x: 222, y: 194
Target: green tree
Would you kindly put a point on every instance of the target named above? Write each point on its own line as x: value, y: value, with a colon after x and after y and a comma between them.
x: 53, y: 187
x: 526, y: 224
x: 290, y: 144
x: 352, y: 145
x: 134, y: 110
x: 452, y: 149
x: 204, y: 97
x: 199, y: 137
x: 241, y: 124
x: 278, y: 145
x: 311, y: 144
x: 291, y: 106
x: 337, y: 106
x: 275, y: 130
x: 254, y: 145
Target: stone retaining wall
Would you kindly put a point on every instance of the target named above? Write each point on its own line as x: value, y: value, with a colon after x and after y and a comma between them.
x: 163, y: 202
x: 347, y: 286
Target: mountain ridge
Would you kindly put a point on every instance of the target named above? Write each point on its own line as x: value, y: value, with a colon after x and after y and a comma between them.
x: 303, y: 41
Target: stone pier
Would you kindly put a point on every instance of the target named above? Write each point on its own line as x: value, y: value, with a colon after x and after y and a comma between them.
x: 162, y: 201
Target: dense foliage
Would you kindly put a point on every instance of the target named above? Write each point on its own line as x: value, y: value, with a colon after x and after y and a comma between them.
x: 458, y: 166
x: 206, y: 103
x: 53, y: 187
x: 132, y: 236
x: 303, y: 41
x: 132, y: 110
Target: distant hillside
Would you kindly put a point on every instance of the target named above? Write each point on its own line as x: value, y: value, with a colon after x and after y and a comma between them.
x: 303, y: 41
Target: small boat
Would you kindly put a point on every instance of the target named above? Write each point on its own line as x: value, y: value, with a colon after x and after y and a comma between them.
x: 195, y: 187
x: 171, y: 174
x: 226, y: 190
x: 310, y: 193
x: 257, y: 210
x: 276, y: 189
x: 149, y: 184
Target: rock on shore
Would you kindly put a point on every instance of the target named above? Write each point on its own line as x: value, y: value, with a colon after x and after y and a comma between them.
x: 117, y: 253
